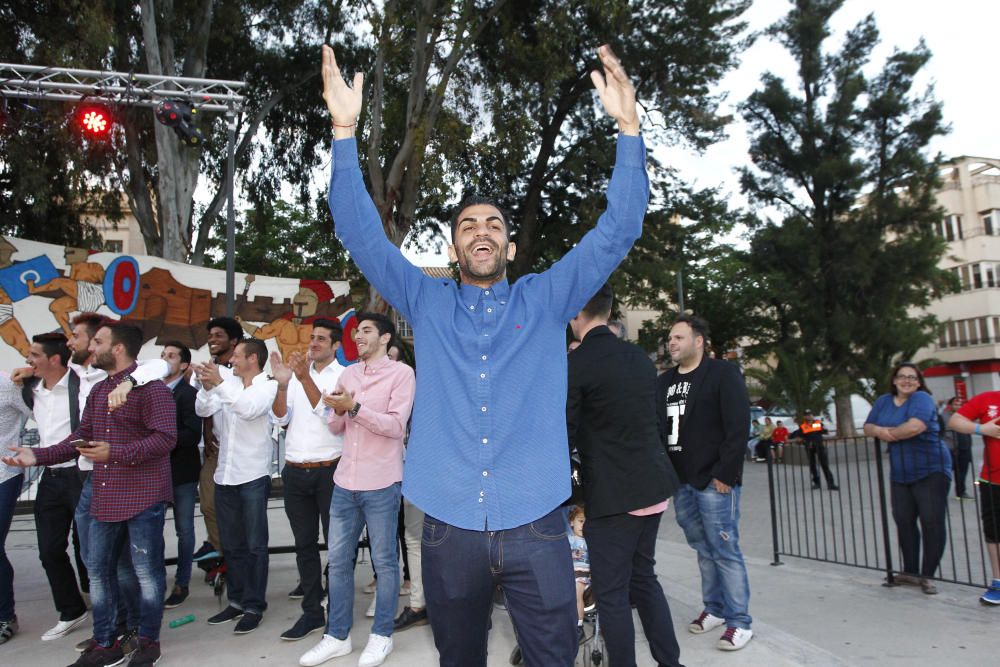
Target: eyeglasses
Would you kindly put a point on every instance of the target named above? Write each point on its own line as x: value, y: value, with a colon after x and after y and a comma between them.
x: 911, y: 378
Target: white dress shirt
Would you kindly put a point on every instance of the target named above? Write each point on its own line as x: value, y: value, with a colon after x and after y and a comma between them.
x: 308, y: 438
x: 218, y: 425
x: 146, y: 372
x: 246, y: 447
x: 51, y: 412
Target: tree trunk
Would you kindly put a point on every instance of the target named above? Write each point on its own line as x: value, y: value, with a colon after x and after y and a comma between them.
x: 845, y: 413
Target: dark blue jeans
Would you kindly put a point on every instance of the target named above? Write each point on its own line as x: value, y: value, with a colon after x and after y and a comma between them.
x: 241, y: 510
x: 143, y: 541
x: 533, y: 566
x: 184, y: 527
x: 9, y: 491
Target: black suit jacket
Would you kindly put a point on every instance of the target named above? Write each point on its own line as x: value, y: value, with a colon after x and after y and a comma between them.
x: 715, y: 426
x: 611, y: 420
x: 185, y: 460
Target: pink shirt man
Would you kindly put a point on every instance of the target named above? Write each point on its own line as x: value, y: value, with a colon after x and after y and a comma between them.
x: 373, y: 440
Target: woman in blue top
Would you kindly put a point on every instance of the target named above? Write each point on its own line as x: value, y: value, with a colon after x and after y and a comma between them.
x: 920, y: 469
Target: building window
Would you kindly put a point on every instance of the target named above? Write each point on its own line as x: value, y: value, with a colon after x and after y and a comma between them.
x: 977, y: 277
x: 403, y: 329
x: 952, y: 335
x: 984, y: 330
x: 942, y: 336
x: 966, y: 278
x: 951, y: 228
x: 988, y: 224
x: 990, y: 275
x: 112, y: 245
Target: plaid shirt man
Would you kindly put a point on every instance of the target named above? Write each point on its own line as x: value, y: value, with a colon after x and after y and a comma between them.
x: 141, y: 434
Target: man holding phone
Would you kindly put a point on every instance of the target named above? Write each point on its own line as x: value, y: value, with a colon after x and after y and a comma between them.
x: 131, y: 485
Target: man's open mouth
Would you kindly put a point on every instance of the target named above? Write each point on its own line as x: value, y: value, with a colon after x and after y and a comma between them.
x: 482, y: 250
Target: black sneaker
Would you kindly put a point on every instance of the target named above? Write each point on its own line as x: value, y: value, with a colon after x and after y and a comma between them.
x: 177, y: 596
x: 230, y: 613
x: 409, y: 619
x: 129, y: 642
x: 581, y: 636
x: 84, y: 645
x: 100, y: 656
x: 147, y: 655
x: 306, y: 625
x: 248, y: 623
x: 205, y: 552
x: 834, y: 487
x: 297, y: 593
x: 7, y: 630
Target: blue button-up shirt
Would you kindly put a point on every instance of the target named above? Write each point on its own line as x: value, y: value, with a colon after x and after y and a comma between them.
x: 487, y: 446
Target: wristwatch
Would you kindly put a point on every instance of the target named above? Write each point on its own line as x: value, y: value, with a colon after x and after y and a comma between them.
x: 129, y: 378
x: 353, y: 412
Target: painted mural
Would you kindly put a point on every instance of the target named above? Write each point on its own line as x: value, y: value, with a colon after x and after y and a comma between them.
x: 43, y: 286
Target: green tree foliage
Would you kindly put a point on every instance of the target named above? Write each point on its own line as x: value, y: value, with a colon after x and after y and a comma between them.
x: 846, y: 163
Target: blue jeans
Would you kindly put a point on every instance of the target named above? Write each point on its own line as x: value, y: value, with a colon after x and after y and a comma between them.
x: 533, y: 566
x: 710, y: 521
x: 241, y: 511
x: 349, y: 512
x: 143, y: 535
x: 9, y: 492
x: 125, y: 585
x: 184, y: 527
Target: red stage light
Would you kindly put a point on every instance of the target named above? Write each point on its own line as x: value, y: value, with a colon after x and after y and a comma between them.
x: 94, y: 120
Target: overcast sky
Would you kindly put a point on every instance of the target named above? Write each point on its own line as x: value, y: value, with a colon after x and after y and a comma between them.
x: 961, y: 35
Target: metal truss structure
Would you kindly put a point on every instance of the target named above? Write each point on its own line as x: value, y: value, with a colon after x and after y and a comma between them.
x: 139, y: 90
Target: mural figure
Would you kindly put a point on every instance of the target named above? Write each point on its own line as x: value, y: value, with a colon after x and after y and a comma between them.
x: 10, y: 329
x: 82, y: 291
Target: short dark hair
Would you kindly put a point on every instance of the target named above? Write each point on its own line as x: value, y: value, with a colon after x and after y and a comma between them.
x: 381, y: 321
x: 698, y: 324
x: 227, y: 324
x: 257, y: 348
x: 92, y: 321
x: 336, y: 331
x: 128, y: 335
x: 599, y: 306
x: 479, y: 200
x: 182, y: 349
x: 53, y: 344
x: 907, y: 364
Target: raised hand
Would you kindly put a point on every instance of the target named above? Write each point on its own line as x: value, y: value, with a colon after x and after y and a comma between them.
x: 616, y: 91
x: 343, y: 101
x: 280, y: 371
x: 299, y: 363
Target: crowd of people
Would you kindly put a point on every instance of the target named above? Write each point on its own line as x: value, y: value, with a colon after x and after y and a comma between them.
x: 474, y: 448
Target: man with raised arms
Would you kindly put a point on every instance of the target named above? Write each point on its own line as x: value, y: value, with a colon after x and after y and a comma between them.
x: 487, y: 458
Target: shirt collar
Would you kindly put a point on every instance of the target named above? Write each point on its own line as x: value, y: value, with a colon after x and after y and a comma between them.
x: 473, y: 294
x: 260, y: 378
x: 118, y: 377
x: 382, y: 362
x: 171, y: 385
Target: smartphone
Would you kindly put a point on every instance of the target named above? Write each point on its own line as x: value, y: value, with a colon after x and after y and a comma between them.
x: 81, y: 444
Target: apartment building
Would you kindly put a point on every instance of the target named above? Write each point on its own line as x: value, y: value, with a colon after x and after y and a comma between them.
x: 967, y: 348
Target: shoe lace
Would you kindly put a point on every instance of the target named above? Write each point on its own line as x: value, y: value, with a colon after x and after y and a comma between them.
x: 701, y: 618
x: 730, y: 635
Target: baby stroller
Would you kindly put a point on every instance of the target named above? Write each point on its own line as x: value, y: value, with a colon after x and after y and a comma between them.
x: 591, y: 651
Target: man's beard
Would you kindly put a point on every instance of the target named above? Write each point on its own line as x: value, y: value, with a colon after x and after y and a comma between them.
x: 489, y: 273
x: 80, y: 357
x: 104, y: 361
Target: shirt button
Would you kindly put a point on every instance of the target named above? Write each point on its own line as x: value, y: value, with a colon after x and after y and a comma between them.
x: 485, y: 440
x: 472, y: 307
x: 485, y: 474
x: 489, y: 310
x: 484, y: 408
x: 482, y: 493
x: 482, y: 375
x: 487, y: 292
x: 480, y: 500
x: 484, y: 357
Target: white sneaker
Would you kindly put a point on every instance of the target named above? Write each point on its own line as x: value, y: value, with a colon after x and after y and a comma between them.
x: 377, y: 650
x: 733, y: 639
x: 704, y: 623
x: 370, y: 613
x: 63, y: 628
x: 328, y: 647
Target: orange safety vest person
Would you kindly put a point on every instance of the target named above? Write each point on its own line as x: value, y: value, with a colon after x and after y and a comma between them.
x: 811, y: 426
